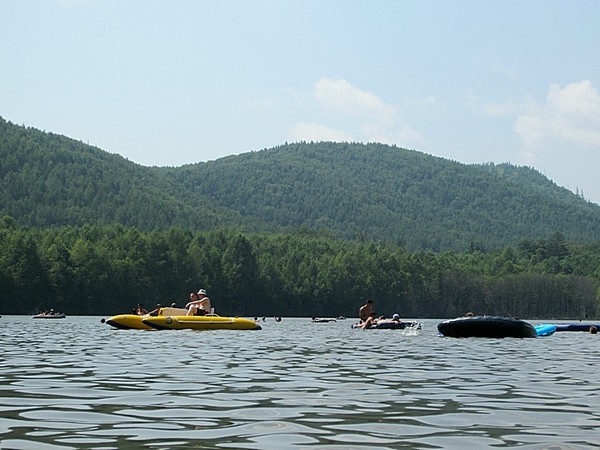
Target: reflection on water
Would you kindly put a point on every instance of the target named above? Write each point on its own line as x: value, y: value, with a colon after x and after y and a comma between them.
x: 77, y: 383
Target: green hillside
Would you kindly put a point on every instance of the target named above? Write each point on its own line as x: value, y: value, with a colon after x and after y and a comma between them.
x: 368, y: 192
x: 388, y: 194
x: 48, y: 180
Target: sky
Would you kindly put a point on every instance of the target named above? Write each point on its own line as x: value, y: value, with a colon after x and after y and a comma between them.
x: 167, y: 83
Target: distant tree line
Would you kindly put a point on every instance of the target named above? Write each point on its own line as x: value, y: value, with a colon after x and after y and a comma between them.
x: 105, y: 270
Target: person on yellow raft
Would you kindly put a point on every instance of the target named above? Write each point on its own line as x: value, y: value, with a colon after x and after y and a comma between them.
x: 199, y: 304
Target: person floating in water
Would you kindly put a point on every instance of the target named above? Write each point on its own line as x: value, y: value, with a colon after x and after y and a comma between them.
x: 380, y: 322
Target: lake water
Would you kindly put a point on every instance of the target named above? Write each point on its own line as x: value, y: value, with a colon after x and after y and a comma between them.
x: 78, y: 383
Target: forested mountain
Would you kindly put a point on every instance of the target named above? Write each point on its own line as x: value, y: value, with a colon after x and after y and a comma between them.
x: 48, y: 179
x: 367, y: 192
x: 383, y: 193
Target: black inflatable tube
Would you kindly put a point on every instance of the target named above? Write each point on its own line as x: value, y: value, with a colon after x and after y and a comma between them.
x: 486, y: 326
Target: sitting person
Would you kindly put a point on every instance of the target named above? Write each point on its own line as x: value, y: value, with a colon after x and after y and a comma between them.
x: 199, y: 304
x: 156, y: 310
x: 193, y: 302
x: 141, y: 311
x: 370, y: 321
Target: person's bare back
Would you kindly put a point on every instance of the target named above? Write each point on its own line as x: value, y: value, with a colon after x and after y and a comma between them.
x: 365, y: 310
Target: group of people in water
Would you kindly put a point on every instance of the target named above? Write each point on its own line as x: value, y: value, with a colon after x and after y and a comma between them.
x: 49, y: 314
x: 368, y: 317
x: 199, y: 305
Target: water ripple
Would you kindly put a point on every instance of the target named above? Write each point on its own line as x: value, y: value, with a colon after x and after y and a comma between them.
x: 77, y: 383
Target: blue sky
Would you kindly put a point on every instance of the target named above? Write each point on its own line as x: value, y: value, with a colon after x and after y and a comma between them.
x: 176, y: 82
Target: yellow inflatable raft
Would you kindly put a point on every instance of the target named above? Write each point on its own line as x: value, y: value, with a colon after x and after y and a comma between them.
x: 176, y: 319
x: 134, y: 321
x: 127, y: 322
x: 209, y: 322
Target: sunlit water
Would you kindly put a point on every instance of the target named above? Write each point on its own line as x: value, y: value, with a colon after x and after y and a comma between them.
x: 77, y: 383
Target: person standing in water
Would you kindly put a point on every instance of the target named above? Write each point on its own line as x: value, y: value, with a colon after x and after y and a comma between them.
x: 365, y: 310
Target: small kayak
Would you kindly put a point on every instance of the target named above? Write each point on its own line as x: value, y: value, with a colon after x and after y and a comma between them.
x: 486, y: 326
x: 545, y: 329
x: 208, y: 322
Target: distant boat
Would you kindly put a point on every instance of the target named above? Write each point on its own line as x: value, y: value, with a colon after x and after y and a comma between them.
x: 50, y: 315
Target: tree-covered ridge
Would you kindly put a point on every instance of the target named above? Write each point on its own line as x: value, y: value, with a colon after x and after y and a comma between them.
x: 388, y: 194
x: 104, y: 270
x: 369, y: 192
x: 49, y: 180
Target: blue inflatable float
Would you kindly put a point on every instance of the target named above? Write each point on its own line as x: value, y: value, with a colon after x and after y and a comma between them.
x: 545, y: 329
x: 587, y: 327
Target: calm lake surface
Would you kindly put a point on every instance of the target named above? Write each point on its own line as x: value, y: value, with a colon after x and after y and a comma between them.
x: 78, y: 383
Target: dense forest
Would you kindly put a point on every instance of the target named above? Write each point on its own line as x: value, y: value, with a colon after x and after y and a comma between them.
x: 363, y: 192
x: 108, y: 269
x: 307, y: 229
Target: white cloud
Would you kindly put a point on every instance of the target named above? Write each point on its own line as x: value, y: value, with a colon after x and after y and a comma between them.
x: 368, y: 116
x: 571, y: 114
x: 339, y: 96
